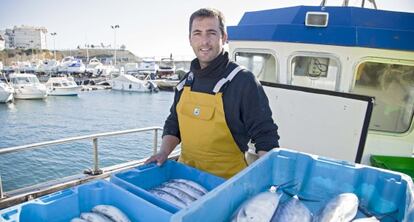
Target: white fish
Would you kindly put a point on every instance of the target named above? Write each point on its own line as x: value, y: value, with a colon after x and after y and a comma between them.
x: 191, y: 183
x: 94, y: 217
x: 292, y: 211
x: 186, y: 188
x: 258, y: 208
x: 342, y: 208
x: 111, y: 212
x: 366, y: 219
x: 185, y: 197
x: 78, y: 220
x: 168, y: 197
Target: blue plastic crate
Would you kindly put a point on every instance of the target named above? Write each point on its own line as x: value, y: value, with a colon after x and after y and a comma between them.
x: 146, y: 177
x: 379, y: 191
x: 64, y: 205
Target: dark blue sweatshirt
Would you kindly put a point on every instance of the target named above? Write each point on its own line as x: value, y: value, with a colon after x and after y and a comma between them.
x: 246, y: 106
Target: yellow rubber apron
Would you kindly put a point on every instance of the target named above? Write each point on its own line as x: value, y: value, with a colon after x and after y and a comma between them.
x: 207, y: 142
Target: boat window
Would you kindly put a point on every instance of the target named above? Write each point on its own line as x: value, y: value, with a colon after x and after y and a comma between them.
x: 392, y: 85
x: 56, y: 84
x: 314, y: 71
x: 262, y: 65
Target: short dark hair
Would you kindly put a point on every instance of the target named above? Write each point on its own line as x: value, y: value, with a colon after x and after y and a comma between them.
x: 209, y: 12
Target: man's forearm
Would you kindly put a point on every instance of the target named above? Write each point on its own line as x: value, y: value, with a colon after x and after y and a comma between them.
x: 169, y: 143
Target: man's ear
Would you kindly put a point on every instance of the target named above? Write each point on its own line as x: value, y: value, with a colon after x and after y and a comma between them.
x: 224, y: 38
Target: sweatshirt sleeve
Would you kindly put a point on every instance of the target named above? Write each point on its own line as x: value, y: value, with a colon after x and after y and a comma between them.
x: 257, y: 116
x: 171, y: 123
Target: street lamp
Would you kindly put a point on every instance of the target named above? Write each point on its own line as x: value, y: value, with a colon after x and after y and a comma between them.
x: 54, y: 46
x: 31, y: 46
x: 114, y: 27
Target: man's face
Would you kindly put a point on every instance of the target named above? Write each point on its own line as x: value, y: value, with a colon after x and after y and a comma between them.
x: 206, y: 39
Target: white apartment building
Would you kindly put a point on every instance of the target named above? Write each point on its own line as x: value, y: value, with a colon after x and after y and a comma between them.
x: 25, y: 37
x: 2, y: 43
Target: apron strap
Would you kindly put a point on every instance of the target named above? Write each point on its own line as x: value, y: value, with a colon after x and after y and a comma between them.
x: 223, y: 81
x: 183, y: 82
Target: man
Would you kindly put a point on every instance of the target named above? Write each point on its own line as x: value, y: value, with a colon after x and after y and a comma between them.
x: 218, y: 107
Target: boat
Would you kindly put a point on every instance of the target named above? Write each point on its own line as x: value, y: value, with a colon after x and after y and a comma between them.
x: 62, y: 86
x: 147, y: 66
x: 27, y: 86
x: 129, y: 83
x: 48, y: 66
x: 6, y: 92
x: 166, y: 68
x: 334, y: 60
x: 94, y: 67
x: 169, y: 83
x: 70, y: 64
x: 368, y: 53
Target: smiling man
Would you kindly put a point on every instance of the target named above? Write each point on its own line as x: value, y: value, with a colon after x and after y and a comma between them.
x: 218, y: 106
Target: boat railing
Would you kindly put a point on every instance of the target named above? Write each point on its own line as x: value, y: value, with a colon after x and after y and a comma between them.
x: 95, y: 171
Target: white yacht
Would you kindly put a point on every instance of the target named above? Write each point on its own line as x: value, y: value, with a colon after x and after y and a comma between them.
x: 27, y: 86
x: 166, y: 67
x: 70, y: 64
x: 147, y: 65
x: 95, y: 67
x: 126, y: 82
x: 48, y: 66
x: 62, y: 86
x: 6, y: 92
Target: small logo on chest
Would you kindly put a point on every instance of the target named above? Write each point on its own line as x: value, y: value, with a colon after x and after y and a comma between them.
x: 196, y: 111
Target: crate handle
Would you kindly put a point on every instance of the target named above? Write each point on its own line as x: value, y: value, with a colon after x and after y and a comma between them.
x: 337, y: 162
x: 147, y: 167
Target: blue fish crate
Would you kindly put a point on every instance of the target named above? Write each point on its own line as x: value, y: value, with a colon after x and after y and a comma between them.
x: 64, y: 205
x: 315, y: 180
x: 141, y: 179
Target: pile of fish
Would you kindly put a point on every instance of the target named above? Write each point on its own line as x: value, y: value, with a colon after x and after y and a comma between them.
x: 102, y: 213
x: 267, y: 206
x: 180, y: 192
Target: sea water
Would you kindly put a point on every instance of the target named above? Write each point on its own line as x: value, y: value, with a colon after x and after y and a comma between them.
x: 30, y: 121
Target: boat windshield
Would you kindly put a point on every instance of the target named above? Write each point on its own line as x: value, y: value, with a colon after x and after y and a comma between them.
x: 25, y: 80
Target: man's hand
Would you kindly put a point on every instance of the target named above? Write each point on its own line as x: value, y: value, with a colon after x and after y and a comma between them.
x: 159, y: 158
x: 167, y: 146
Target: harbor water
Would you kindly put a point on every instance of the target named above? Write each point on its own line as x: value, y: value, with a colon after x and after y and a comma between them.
x: 31, y: 121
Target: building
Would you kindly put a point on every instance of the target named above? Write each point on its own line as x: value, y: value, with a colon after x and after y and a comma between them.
x: 2, y: 43
x: 25, y: 37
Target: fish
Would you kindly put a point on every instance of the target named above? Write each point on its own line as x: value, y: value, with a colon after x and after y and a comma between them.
x: 77, y: 219
x: 111, y: 212
x: 186, y: 188
x: 168, y: 197
x: 185, y: 197
x: 192, y: 184
x: 94, y: 217
x: 292, y: 211
x: 341, y: 208
x: 260, y: 207
x: 366, y: 219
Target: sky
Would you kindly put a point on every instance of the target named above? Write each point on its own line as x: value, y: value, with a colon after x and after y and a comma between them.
x: 146, y: 27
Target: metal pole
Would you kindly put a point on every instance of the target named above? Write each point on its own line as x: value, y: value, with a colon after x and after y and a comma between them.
x: 155, y: 141
x: 96, y: 169
x: 1, y: 189
x: 54, y: 44
x: 323, y: 2
x: 363, y: 3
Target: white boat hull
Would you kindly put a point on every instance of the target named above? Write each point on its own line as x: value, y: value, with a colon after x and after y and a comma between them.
x: 30, y: 93
x: 64, y: 91
x: 6, y: 93
x: 5, y: 96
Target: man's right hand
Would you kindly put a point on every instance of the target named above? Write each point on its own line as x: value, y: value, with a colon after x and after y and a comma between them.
x: 159, y: 158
